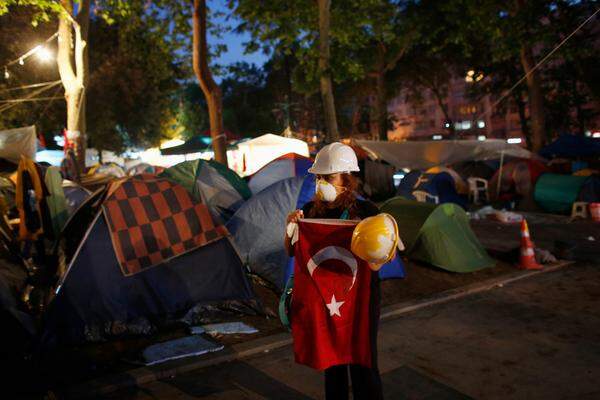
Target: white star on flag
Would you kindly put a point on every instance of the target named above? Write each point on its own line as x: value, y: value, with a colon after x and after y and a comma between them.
x: 334, y: 307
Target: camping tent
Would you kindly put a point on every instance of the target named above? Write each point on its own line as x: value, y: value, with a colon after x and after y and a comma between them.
x: 141, y: 168
x: 285, y: 166
x: 74, y: 194
x: 459, y: 183
x: 110, y: 169
x: 438, y: 234
x: 572, y: 146
x: 440, y: 184
x: 257, y: 152
x: 427, y: 154
x: 557, y: 193
x: 15, y: 143
x: 151, y: 252
x: 258, y: 229
x: 220, y: 188
x: 516, y: 179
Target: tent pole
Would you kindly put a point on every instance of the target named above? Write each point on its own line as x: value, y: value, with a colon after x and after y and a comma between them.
x: 500, y: 174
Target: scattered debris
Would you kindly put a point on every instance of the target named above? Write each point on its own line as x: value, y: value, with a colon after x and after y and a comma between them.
x: 179, y: 348
x: 229, y: 328
x: 543, y: 256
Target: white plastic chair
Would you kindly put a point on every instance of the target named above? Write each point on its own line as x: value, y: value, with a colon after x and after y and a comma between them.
x: 478, y: 190
x: 422, y: 197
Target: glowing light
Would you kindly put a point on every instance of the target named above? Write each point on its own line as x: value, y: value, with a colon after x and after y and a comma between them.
x: 514, y: 140
x: 6, y: 73
x: 447, y: 125
x: 21, y: 62
x: 480, y: 124
x: 437, y: 137
x: 44, y: 54
x: 596, y: 135
x: 481, y: 138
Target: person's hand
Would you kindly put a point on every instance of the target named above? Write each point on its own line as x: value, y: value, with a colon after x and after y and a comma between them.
x: 294, y: 216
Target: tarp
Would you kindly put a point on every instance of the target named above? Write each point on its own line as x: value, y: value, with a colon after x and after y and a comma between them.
x: 427, y: 154
x: 286, y: 166
x: 95, y: 300
x: 15, y: 143
x: 556, y: 193
x: 572, y: 146
x: 438, y: 234
x: 152, y: 220
x: 259, y: 151
x: 220, y: 188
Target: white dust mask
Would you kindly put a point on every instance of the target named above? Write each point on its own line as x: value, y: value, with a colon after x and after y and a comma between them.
x: 326, y: 191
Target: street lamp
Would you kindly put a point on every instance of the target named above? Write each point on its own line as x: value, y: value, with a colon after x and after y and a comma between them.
x: 44, y: 54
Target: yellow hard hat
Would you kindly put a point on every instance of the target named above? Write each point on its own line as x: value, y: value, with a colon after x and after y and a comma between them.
x: 375, y: 239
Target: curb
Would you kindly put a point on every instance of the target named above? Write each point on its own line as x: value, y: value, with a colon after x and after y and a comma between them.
x: 144, y: 375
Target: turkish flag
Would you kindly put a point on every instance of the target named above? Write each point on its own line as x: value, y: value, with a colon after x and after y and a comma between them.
x: 330, y: 300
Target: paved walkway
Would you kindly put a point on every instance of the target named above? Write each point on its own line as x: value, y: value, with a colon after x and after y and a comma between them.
x: 534, y: 339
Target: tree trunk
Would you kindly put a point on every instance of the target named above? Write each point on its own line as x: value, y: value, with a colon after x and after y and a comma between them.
x: 332, y: 134
x: 212, y: 91
x: 536, y: 100
x: 356, y: 116
x: 440, y: 100
x: 380, y: 94
x: 74, y: 48
x: 523, y: 117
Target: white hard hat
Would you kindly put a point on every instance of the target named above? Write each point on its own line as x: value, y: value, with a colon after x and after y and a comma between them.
x: 335, y: 158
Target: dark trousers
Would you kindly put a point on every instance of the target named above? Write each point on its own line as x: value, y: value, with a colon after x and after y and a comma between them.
x: 366, y: 382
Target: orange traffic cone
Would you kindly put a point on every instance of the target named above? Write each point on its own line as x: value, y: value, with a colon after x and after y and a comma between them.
x: 527, y: 258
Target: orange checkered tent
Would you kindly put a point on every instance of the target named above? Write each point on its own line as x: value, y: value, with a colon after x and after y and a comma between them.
x: 151, y: 252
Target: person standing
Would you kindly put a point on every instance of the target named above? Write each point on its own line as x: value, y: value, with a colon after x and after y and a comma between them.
x: 336, y: 198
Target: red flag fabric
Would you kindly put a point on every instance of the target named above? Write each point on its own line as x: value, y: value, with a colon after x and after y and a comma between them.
x: 330, y: 301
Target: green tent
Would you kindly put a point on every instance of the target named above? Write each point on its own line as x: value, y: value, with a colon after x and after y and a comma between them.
x: 220, y: 188
x: 438, y: 234
x: 557, y: 193
x: 56, y: 200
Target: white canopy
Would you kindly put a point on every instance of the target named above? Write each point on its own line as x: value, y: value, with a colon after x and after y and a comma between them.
x: 260, y: 151
x: 427, y: 154
x: 17, y: 142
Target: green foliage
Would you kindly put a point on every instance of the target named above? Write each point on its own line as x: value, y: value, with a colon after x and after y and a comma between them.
x: 132, y: 83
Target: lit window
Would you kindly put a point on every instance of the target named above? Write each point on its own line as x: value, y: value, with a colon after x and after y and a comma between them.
x: 437, y: 137
x: 596, y: 134
x: 466, y: 125
x: 480, y: 124
x: 481, y: 138
x: 515, y: 140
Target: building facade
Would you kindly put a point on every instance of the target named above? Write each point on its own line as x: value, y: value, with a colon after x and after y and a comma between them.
x: 425, y: 120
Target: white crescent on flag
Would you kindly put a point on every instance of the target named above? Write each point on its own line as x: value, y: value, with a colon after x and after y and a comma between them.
x: 334, y: 253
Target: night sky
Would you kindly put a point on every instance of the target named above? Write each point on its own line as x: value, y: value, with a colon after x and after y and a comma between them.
x: 234, y: 42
